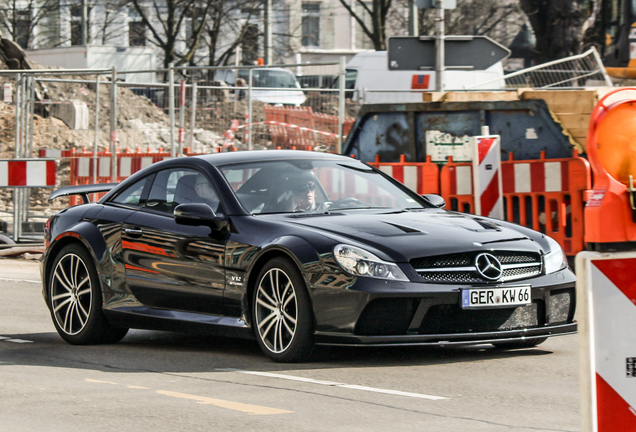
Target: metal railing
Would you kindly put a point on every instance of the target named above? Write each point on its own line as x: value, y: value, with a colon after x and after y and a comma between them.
x: 92, y: 109
x: 574, y: 71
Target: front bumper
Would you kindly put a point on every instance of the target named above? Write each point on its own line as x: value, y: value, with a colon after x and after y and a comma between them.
x: 376, y: 313
x: 326, y: 338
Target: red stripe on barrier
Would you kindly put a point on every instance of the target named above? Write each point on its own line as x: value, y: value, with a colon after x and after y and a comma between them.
x: 508, y: 178
x: 453, y: 180
x: 620, y: 272
x: 51, y: 173
x: 398, y: 173
x: 565, y: 176
x: 17, y: 173
x: 485, y: 148
x: 614, y: 413
x: 490, y: 196
x: 537, y: 177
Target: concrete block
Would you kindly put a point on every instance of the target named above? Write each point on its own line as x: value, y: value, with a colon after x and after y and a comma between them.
x: 73, y: 113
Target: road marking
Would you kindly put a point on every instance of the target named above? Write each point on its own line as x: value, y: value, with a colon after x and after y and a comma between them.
x: 236, y: 406
x: 10, y: 339
x: 21, y: 280
x: 335, y: 384
x: 100, y: 382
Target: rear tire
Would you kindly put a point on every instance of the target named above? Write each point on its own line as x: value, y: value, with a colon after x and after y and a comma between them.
x: 528, y: 343
x: 75, y: 300
x: 282, y: 315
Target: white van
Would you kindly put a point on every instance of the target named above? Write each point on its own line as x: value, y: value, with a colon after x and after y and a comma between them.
x: 368, y: 73
x: 270, y: 78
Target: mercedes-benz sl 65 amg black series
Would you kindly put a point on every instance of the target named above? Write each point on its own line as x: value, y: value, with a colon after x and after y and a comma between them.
x: 296, y: 249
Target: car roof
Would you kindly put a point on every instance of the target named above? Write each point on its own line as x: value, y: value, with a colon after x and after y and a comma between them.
x: 268, y: 155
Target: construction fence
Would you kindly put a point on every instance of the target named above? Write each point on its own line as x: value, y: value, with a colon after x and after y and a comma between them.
x: 184, y: 110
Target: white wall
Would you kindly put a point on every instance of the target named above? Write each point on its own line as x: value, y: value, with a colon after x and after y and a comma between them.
x: 100, y: 57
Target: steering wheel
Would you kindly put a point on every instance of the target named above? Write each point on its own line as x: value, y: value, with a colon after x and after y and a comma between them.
x: 346, y: 202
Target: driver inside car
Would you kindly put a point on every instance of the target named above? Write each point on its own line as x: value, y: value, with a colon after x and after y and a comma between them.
x: 304, y: 194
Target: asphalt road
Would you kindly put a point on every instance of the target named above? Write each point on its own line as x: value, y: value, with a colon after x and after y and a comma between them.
x: 172, y: 382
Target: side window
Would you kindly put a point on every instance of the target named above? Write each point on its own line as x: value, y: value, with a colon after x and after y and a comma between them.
x: 180, y: 186
x: 131, y: 196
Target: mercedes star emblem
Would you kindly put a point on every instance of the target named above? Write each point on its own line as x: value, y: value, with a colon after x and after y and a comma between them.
x: 488, y: 266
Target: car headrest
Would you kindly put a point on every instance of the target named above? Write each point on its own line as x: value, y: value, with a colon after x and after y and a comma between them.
x: 185, y: 192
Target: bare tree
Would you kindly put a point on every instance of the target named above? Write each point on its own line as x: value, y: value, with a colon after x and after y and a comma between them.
x: 221, y: 23
x: 378, y: 11
x: 20, y: 18
x: 109, y: 24
x: 500, y: 20
x: 559, y: 25
x: 165, y: 21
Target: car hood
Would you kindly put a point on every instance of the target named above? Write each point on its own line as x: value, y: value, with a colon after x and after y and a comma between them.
x: 411, y: 234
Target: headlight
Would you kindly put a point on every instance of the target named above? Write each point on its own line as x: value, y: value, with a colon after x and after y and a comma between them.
x: 359, y: 262
x: 555, y: 259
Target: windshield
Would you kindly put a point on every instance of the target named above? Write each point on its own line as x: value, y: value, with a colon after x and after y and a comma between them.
x: 270, y: 78
x: 315, y: 186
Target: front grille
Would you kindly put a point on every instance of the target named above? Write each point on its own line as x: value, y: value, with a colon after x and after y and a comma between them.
x: 460, y: 268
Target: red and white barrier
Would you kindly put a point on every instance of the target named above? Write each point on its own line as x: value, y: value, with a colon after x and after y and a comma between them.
x: 519, y: 178
x: 83, y: 166
x: 461, y: 180
x: 535, y: 177
x: 487, y: 176
x: 408, y: 175
x: 127, y: 167
x: 54, y: 153
x: 606, y: 293
x: 28, y: 173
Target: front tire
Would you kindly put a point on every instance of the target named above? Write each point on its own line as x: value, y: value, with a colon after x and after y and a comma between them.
x: 75, y: 300
x: 282, y: 313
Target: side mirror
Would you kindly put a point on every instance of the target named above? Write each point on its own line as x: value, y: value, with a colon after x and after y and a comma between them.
x: 435, y: 200
x: 198, y: 215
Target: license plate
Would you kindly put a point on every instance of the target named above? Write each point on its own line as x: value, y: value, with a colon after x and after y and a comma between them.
x: 496, y: 297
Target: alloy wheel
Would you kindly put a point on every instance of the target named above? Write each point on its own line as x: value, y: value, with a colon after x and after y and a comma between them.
x: 71, y: 294
x: 276, y: 310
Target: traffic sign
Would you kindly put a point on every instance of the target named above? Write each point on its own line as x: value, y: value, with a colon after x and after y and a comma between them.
x: 460, y: 52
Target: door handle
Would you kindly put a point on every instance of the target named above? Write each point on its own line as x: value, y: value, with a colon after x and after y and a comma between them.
x: 134, y: 232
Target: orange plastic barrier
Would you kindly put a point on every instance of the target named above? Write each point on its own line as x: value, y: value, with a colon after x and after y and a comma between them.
x: 302, y: 136
x: 610, y: 147
x: 277, y: 131
x: 303, y: 117
x: 546, y: 195
x: 422, y: 177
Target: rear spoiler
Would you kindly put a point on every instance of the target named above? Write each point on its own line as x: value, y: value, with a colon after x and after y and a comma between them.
x: 82, y: 190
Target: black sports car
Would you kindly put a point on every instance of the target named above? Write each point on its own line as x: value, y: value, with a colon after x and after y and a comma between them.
x: 296, y: 249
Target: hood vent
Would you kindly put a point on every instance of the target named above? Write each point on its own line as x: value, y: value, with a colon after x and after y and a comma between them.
x: 406, y: 229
